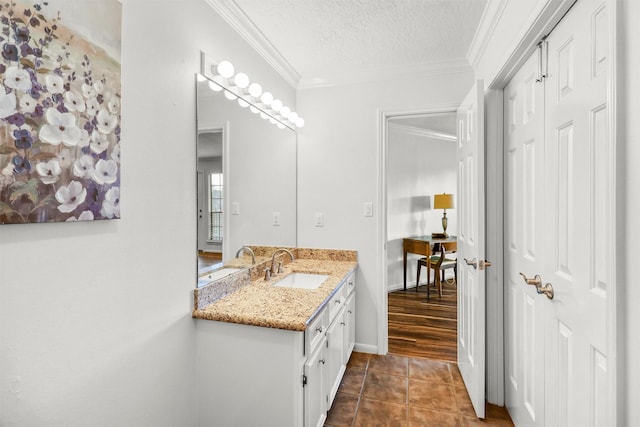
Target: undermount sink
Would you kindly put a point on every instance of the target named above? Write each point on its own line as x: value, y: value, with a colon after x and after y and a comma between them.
x: 215, y: 275
x: 302, y: 281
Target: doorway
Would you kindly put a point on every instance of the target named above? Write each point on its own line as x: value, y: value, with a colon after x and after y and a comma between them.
x: 421, y: 162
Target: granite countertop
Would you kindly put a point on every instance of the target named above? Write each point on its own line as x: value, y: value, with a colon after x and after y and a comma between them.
x: 259, y: 303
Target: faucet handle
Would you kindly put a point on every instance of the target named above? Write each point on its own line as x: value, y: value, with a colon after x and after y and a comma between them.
x: 267, y: 273
x: 279, y: 269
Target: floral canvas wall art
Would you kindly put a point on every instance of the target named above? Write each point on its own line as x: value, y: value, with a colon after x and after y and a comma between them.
x: 59, y: 110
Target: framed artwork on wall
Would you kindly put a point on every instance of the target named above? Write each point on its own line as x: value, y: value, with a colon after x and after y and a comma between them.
x: 59, y: 110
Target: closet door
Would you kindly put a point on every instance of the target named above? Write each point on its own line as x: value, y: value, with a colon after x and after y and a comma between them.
x: 525, y: 230
x: 558, y: 209
x: 578, y: 201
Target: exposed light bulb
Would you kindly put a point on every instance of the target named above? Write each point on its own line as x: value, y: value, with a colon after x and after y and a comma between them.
x: 300, y: 122
x: 263, y: 115
x: 242, y: 103
x: 266, y: 98
x: 254, y: 109
x: 293, y: 117
x: 241, y: 80
x: 225, y: 69
x: 272, y: 120
x: 230, y: 95
x: 280, y: 126
x: 255, y: 90
x: 200, y: 77
x: 285, y: 111
x: 276, y: 105
x: 215, y: 87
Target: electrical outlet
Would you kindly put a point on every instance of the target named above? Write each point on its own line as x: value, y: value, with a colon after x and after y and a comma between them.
x: 276, y: 218
x: 319, y: 219
x: 368, y: 208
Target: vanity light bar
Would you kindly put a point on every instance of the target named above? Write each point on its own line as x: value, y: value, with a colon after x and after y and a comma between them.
x: 237, y: 86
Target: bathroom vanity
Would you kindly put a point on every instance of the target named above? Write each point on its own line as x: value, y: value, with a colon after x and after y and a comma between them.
x: 273, y: 352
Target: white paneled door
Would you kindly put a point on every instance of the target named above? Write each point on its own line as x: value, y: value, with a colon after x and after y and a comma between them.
x: 557, y: 211
x: 471, y: 246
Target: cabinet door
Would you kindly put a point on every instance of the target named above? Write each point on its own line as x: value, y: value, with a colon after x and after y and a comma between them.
x: 350, y: 328
x: 335, y: 358
x: 315, y: 400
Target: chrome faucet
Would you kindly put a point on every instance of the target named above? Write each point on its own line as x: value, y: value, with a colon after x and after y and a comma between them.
x: 248, y: 249
x: 277, y: 268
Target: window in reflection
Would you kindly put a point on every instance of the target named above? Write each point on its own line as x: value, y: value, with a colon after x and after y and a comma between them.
x: 216, y: 219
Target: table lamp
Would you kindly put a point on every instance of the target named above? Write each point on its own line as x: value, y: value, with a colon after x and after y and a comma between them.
x: 443, y: 201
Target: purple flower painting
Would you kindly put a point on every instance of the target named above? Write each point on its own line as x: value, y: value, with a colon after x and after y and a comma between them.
x: 59, y: 111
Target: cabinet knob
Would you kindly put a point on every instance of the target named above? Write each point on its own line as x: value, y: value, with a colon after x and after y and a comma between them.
x: 321, y: 361
x: 319, y: 329
x: 342, y: 323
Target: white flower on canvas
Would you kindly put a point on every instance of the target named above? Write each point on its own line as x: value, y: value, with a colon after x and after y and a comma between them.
x: 61, y: 128
x: 84, y: 216
x: 88, y: 91
x: 65, y: 157
x: 74, y: 102
x: 99, y: 142
x: 54, y: 83
x: 105, y: 172
x: 85, y: 139
x: 83, y: 167
x: 27, y: 103
x: 7, y: 103
x: 114, y: 105
x: 115, y: 153
x: 70, y: 196
x: 92, y: 106
x: 17, y: 78
x: 111, y: 203
x: 49, y: 171
x: 98, y: 87
x: 106, y: 122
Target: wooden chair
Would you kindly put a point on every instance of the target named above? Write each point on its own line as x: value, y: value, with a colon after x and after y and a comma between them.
x: 439, y: 262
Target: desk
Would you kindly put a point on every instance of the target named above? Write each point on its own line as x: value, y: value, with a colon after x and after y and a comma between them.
x: 420, y: 245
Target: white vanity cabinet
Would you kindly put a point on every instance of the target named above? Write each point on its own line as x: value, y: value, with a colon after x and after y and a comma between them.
x: 259, y: 376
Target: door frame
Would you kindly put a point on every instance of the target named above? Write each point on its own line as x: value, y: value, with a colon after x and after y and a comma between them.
x: 383, y: 145
x: 539, y: 25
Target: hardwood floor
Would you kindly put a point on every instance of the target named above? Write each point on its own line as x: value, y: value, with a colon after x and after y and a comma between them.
x: 421, y: 327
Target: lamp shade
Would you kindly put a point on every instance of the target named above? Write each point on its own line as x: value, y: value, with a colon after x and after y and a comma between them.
x: 443, y: 201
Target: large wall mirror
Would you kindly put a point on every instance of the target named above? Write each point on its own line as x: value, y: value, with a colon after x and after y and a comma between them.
x: 246, y: 179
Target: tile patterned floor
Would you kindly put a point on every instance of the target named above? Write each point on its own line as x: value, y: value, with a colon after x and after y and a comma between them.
x: 404, y: 391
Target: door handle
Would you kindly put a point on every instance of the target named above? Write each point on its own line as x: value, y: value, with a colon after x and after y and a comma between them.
x: 483, y: 264
x: 473, y: 263
x: 537, y: 282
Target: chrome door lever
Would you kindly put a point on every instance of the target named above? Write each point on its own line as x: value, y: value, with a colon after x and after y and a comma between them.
x: 537, y: 282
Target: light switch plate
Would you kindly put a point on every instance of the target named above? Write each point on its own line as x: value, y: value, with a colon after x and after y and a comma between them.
x: 368, y: 208
x: 235, y: 208
x: 276, y: 218
x: 319, y: 219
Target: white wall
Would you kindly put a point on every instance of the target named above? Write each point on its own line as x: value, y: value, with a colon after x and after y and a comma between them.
x: 418, y: 168
x: 337, y: 171
x: 95, y: 318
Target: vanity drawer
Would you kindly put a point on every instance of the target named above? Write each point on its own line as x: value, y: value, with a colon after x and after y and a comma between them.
x: 336, y: 303
x: 351, y: 284
x: 315, y: 332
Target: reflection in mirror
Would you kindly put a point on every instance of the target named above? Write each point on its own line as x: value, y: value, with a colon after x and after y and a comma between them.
x: 246, y: 179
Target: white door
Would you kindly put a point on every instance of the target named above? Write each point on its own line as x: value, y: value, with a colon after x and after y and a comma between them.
x: 523, y: 237
x: 471, y: 249
x: 557, y: 213
x: 577, y: 200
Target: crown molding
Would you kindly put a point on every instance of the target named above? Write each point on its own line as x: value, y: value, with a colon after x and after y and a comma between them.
x: 389, y: 73
x: 424, y: 133
x: 487, y: 25
x: 240, y: 22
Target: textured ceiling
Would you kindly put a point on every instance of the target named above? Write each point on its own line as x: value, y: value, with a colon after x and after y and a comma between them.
x: 329, y: 41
